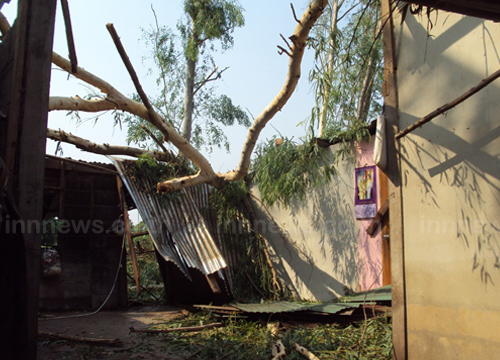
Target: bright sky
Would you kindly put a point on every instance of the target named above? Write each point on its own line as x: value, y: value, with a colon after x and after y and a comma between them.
x: 256, y: 72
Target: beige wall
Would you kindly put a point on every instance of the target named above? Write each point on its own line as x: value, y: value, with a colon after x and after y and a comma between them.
x: 317, y: 246
x: 451, y: 187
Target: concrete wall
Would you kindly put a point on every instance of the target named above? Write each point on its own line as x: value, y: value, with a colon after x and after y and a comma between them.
x: 317, y: 246
x: 451, y: 180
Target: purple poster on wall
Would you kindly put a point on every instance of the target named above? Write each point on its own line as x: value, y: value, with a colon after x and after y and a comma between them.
x: 365, y: 198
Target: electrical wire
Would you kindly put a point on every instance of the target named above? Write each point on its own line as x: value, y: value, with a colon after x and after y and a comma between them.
x: 107, y: 298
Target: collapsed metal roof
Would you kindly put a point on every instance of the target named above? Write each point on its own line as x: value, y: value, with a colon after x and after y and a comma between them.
x: 179, y: 231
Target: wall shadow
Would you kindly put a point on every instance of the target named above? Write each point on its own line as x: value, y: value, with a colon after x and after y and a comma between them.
x: 473, y: 174
x: 286, y: 252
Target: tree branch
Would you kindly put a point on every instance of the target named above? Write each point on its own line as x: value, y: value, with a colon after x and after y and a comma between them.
x: 306, y: 353
x: 76, y: 103
x: 80, y: 339
x: 298, y: 39
x: 209, y: 78
x: 155, y: 139
x: 105, y: 149
x: 294, y: 14
x: 278, y: 350
x: 188, y: 181
x: 116, y: 100
x: 163, y: 125
x: 180, y: 329
x: 286, y: 42
x: 282, y: 50
x: 483, y: 83
x: 69, y: 36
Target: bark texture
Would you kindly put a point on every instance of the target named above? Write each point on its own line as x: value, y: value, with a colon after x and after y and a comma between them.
x: 106, y: 149
x: 114, y: 100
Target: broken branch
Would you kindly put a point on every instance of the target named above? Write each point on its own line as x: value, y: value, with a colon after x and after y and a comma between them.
x: 155, y: 139
x: 449, y: 105
x: 187, y: 181
x: 282, y: 50
x: 306, y: 353
x: 105, y: 149
x: 299, y: 38
x: 209, y: 78
x: 164, y: 126
x: 114, y: 99
x: 278, y: 350
x: 181, y: 329
x: 286, y: 42
x: 131, y: 70
x: 294, y: 14
x: 69, y: 36
x: 87, y: 340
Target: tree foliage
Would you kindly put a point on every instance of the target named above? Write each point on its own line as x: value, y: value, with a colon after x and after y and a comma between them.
x: 347, y: 80
x: 175, y: 54
x: 348, y: 84
x: 286, y: 172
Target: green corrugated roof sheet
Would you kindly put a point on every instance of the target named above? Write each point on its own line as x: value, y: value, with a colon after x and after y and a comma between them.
x: 271, y: 307
x: 347, y: 302
x: 333, y: 308
x: 380, y: 294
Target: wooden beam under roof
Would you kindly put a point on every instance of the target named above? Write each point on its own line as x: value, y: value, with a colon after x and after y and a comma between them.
x: 485, y: 9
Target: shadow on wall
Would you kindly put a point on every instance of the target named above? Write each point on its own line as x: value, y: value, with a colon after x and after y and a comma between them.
x: 435, y: 46
x: 286, y: 253
x: 333, y: 219
x: 473, y: 174
x: 451, y: 164
x: 316, y: 243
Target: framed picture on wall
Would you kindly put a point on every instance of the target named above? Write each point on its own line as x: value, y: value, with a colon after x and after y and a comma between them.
x: 365, y: 197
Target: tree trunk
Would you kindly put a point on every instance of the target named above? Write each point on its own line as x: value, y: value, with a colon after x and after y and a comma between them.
x: 187, y: 120
x: 116, y: 101
x: 366, y: 91
x: 331, y: 60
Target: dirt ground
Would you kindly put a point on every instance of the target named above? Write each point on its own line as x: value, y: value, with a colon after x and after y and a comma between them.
x: 107, y: 325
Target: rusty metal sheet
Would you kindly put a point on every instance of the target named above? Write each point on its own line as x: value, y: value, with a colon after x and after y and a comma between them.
x: 179, y: 231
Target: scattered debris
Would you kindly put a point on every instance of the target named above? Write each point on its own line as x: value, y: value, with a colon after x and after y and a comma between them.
x: 180, y: 329
x: 80, y: 339
x: 306, y: 353
x: 278, y: 350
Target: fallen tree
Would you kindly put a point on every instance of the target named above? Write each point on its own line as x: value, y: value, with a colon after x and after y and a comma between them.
x: 114, y: 100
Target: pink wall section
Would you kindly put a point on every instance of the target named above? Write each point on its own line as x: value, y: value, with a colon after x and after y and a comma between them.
x: 369, y: 247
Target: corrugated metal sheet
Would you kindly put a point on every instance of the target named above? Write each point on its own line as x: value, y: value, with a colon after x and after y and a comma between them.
x: 179, y: 231
x: 271, y: 307
x: 288, y: 307
x: 379, y: 294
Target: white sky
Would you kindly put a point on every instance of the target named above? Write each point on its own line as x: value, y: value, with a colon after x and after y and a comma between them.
x: 255, y: 75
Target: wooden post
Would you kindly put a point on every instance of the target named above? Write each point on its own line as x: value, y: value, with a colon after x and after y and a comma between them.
x: 62, y: 189
x: 128, y: 233
x: 385, y: 231
x: 24, y: 155
x: 393, y: 173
